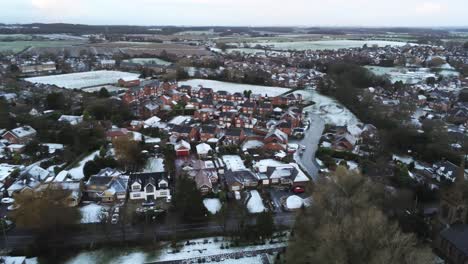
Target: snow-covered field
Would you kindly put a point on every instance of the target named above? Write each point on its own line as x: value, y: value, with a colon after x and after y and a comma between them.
x: 82, y: 79
x: 148, y: 61
x: 235, y: 87
x: 204, y: 247
x: 212, y: 205
x: 409, y: 76
x: 77, y: 172
x: 326, y: 44
x: 255, y: 203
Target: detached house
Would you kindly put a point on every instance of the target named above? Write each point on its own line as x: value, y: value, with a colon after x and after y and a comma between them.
x: 240, y: 179
x: 20, y: 135
x: 107, y: 186
x: 149, y: 186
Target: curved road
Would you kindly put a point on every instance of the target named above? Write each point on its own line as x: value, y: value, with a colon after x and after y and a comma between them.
x: 311, y: 142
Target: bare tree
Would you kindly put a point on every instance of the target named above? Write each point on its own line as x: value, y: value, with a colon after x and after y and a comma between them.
x: 346, y: 225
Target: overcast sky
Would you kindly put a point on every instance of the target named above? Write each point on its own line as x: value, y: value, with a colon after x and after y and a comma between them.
x: 239, y: 12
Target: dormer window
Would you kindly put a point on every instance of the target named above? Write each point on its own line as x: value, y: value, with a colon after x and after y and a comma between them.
x: 136, y: 187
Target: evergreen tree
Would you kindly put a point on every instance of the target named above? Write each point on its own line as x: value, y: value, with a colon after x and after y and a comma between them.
x: 265, y: 224
x: 188, y: 201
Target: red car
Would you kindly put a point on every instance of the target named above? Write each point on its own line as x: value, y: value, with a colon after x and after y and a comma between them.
x: 298, y: 189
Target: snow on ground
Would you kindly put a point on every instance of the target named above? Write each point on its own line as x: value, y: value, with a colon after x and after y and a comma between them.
x: 212, y: 205
x: 352, y: 165
x: 255, y: 203
x: 331, y: 111
x: 203, y: 247
x: 77, y: 172
x: 328, y: 44
x: 235, y: 87
x: 294, y: 202
x: 32, y: 261
x: 197, y: 248
x: 248, y: 260
x: 403, y: 159
x: 135, y: 257
x: 82, y: 79
x: 154, y: 165
x: 91, y: 213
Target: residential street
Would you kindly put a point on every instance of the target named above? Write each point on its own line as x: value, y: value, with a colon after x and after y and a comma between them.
x: 310, y: 141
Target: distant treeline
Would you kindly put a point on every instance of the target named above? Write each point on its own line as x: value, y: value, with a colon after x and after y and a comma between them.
x: 80, y: 29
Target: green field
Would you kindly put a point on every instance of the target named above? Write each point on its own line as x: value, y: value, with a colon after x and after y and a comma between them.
x: 18, y: 46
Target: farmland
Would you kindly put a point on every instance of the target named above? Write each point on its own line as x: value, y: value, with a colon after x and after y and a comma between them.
x: 18, y: 46
x: 83, y: 79
x: 322, y: 44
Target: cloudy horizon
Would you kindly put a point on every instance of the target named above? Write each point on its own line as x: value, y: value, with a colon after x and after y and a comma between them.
x: 349, y: 13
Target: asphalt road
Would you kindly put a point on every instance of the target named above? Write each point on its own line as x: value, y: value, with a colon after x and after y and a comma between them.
x: 310, y: 141
x: 20, y: 239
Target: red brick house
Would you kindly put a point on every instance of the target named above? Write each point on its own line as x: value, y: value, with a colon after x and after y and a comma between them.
x: 128, y: 97
x: 244, y: 122
x: 226, y: 119
x: 220, y: 96
x: 187, y: 89
x: 185, y: 132
x: 236, y: 97
x: 206, y: 103
x: 264, y: 108
x: 286, y: 127
x: 129, y: 82
x: 208, y: 132
x: 117, y: 133
x: 204, y: 114
x: 248, y: 107
x: 234, y: 136
x: 276, y: 136
x: 182, y: 148
x: 20, y: 135
x: 228, y: 106
x: 205, y: 92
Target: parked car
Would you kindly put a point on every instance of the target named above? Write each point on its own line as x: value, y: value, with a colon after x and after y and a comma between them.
x: 147, y: 204
x: 298, y: 189
x: 115, y: 219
